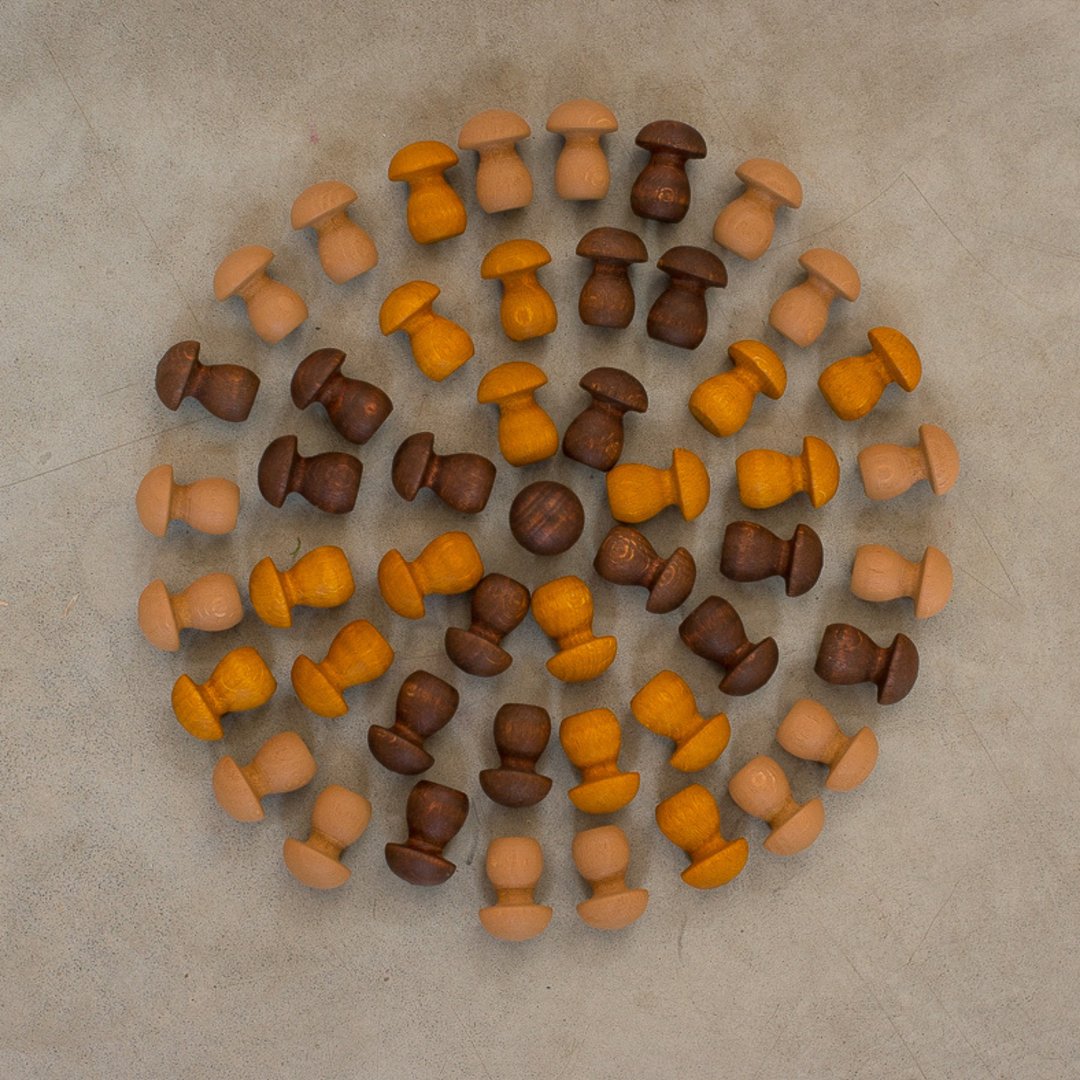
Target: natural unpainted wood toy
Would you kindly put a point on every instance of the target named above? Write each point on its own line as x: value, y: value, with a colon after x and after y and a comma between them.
x: 582, y: 173
x: 722, y: 404
x: 847, y: 656
x: 591, y: 741
x: 769, y: 477
x: 499, y: 604
x: 356, y: 408
x: 665, y: 705
x: 282, y: 764
x: 434, y: 211
x: 690, y: 819
x: 546, y: 518
x: 679, y: 315
x: 595, y: 436
x: 240, y: 681
x: 358, y: 654
x: 449, y: 564
x: 225, y: 390
x: 881, y: 574
x: 319, y: 579
x: 852, y: 386
x: 802, y: 312
x: 329, y: 481
x: 434, y: 815
x: 602, y: 856
x: 210, y: 505
x: 746, y: 225
x: 439, y: 345
x: 345, y: 250
x: 273, y: 309
x: 639, y: 492
x: 521, y: 735
x: 752, y: 553
x: 563, y: 609
x: 463, y: 481
x: 888, y: 470
x: 514, y: 865
x: 810, y: 731
x: 662, y: 190
x: 626, y: 557
x: 338, y: 819
x: 211, y: 603
x: 607, y: 297
x: 713, y: 630
x: 761, y: 789
x: 526, y: 310
x: 526, y: 433
x: 425, y: 705
x: 503, y: 181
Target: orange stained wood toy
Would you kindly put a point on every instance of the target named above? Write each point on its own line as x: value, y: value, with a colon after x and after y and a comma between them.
x: 526, y: 433
x: 526, y: 310
x: 514, y: 865
x: 434, y: 211
x: 283, y: 763
x: 210, y: 505
x: 319, y: 579
x: 338, y: 819
x: 563, y: 609
x: 602, y: 856
x: 449, y: 564
x: 502, y: 178
x: 761, y: 789
x: 582, y: 172
x: 345, y: 250
x: 852, y: 386
x: 888, y: 470
x: 358, y: 654
x: 768, y: 477
x: 746, y: 225
x: 802, y: 312
x: 881, y: 574
x: 211, y: 603
x: 591, y: 741
x: 722, y: 403
x: 273, y: 309
x: 690, y: 819
x: 665, y: 705
x: 639, y: 492
x: 439, y: 346
x: 240, y: 681
x: 809, y: 731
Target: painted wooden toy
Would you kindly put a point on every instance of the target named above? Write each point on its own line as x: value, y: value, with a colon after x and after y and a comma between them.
x: 639, y: 492
x: 328, y: 481
x: 722, y: 404
x: 809, y: 731
x: 503, y: 181
x: 425, y: 705
x: 752, y: 553
x: 888, y: 470
x: 358, y: 654
x: 225, y: 390
x: 499, y: 604
x: 546, y: 518
x: 591, y: 741
x: 210, y: 603
x: 521, y: 735
x: 713, y: 630
x: 665, y: 705
x: 690, y: 819
x: 761, y: 789
x: 679, y: 315
x: 852, y: 386
x: 746, y: 225
x: 602, y: 856
x: 449, y: 564
x: 514, y: 865
x: 626, y: 557
x: 769, y: 477
x: 881, y: 574
x: 847, y: 656
x: 662, y: 190
x: 595, y: 436
x: 210, y: 505
x: 345, y: 250
x: 338, y: 819
x: 434, y: 211
x: 434, y: 815
x: 563, y: 609
x: 439, y: 346
x: 282, y: 764
x: 526, y: 433
x: 581, y: 172
x: 319, y: 579
x: 607, y: 297
x: 526, y: 310
x: 356, y: 408
x: 240, y: 681
x: 801, y: 313
x: 463, y: 481
x: 273, y: 309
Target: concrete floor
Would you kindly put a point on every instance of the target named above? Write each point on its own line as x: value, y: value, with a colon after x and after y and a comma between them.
x: 932, y: 930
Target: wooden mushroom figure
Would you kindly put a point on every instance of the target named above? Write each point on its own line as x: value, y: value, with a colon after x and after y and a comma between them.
x: 761, y: 788
x: 225, y: 390
x: 595, y: 436
x: 282, y: 764
x: 338, y: 819
x: 210, y: 603
x: 273, y: 309
x: 502, y: 179
x: 526, y: 433
x: 602, y: 856
x: 809, y: 731
x: 514, y: 865
x: 662, y: 190
x: 745, y: 226
x: 852, y: 386
x: 801, y: 313
x: 526, y: 310
x: 888, y: 470
x: 679, y: 315
x: 881, y: 574
x: 210, y: 505
x: 434, y: 211
x: 439, y: 346
x: 769, y: 477
x: 722, y: 403
x: 356, y: 408
x: 607, y: 297
x: 582, y: 173
x: 345, y: 250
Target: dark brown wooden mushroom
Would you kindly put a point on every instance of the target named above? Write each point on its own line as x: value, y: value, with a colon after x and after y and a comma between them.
x: 329, y: 481
x: 595, y: 437
x: 847, y: 656
x: 356, y: 408
x: 607, y: 297
x: 462, y: 481
x: 662, y: 190
x: 226, y: 390
x: 679, y: 315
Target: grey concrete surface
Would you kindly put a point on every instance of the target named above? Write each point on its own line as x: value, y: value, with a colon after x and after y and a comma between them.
x: 931, y: 932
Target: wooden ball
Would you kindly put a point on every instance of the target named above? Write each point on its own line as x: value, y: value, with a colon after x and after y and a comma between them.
x: 546, y: 518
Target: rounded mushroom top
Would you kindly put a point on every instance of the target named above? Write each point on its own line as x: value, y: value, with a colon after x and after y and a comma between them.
x: 320, y: 201
x: 419, y: 157
x: 942, y: 457
x: 153, y: 498
x: 612, y: 245
x: 687, y: 261
x: 758, y: 357
x: 900, y: 356
x: 823, y: 470
x: 511, y: 378
x: 834, y: 269
x: 673, y: 136
x: 582, y: 115
x: 239, y: 267
x: 312, y: 373
x: 616, y: 385
x: 513, y: 255
x: 774, y: 177
x: 404, y: 302
x: 492, y: 127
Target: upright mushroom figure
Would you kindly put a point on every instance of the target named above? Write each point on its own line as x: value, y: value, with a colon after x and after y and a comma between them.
x: 679, y: 315
x: 274, y: 309
x: 801, y: 313
x: 434, y: 211
x: 607, y: 297
x: 527, y: 310
x: 582, y: 173
x: 746, y: 225
x: 345, y: 250
x: 439, y: 345
x: 502, y: 179
x: 662, y: 190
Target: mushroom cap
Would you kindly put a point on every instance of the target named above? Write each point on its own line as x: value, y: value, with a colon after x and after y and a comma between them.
x: 616, y: 386
x: 313, y: 868
x: 320, y: 201
x: 156, y: 618
x: 615, y: 910
x: 153, y: 498
x: 687, y: 261
x: 492, y: 127
x: 799, y: 831
x: 404, y: 302
x: 855, y: 764
x: 704, y: 746
x: 428, y: 155
x: 398, y: 586
x: 942, y: 457
x: 582, y: 114
x: 234, y: 793
x: 674, y: 583
x: 901, y: 673
x: 823, y: 468
x: 312, y: 374
x: 516, y: 922
x: 758, y: 357
x: 239, y: 267
x: 275, y: 468
x: 510, y: 378
x: 174, y: 372
x: 720, y: 867
x: 592, y: 657
x: 691, y: 482
x: 935, y: 583
x: 511, y: 256
x: 775, y: 178
x: 410, y: 463
x: 612, y: 245
x: 807, y: 559
x: 900, y: 356
x: 607, y: 794
x: 672, y: 135
x: 834, y: 269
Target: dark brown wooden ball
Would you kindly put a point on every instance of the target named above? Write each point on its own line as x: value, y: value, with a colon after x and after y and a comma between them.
x: 547, y: 518
x: 226, y: 390
x: 434, y: 815
x: 847, y: 656
x: 521, y: 734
